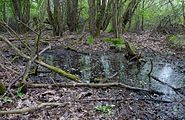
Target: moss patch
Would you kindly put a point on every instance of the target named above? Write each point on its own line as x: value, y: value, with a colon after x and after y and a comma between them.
x: 176, y: 41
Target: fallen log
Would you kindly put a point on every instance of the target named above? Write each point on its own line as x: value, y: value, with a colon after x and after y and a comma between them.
x: 52, y: 68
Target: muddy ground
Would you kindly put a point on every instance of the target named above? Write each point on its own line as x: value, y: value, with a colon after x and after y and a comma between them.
x: 86, y: 103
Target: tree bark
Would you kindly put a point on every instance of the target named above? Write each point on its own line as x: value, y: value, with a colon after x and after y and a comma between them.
x: 92, y: 17
x: 129, y: 12
x: 55, y: 17
x: 22, y: 13
x: 72, y: 14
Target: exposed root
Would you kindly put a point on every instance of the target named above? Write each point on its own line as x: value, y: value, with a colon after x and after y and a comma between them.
x: 93, y: 85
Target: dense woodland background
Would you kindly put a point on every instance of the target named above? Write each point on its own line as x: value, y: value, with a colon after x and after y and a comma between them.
x: 167, y: 16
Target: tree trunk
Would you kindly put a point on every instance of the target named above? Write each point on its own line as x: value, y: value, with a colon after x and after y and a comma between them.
x: 115, y: 18
x: 72, y: 14
x: 21, y: 13
x: 129, y: 12
x: 55, y: 17
x: 92, y: 17
x: 142, y: 16
x: 183, y: 11
x: 4, y: 11
x: 107, y: 15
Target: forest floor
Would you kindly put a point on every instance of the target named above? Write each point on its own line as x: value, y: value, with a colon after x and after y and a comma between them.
x: 85, y: 103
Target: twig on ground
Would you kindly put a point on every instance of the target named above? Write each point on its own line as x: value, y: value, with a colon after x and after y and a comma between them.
x: 32, y: 109
x: 100, y: 99
x: 122, y: 99
x: 10, y: 85
x: 173, y: 88
x: 20, y: 76
x: 10, y: 69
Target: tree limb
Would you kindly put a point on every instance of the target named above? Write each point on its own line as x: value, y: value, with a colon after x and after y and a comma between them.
x: 31, y: 109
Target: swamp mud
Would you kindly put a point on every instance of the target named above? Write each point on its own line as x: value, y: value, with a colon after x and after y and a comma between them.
x: 168, y: 77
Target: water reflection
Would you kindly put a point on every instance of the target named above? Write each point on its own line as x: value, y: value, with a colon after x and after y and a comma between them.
x: 105, y: 65
x: 166, y: 73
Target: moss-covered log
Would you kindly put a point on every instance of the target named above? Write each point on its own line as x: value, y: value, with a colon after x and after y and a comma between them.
x: 52, y: 68
x: 59, y: 71
x: 130, y: 49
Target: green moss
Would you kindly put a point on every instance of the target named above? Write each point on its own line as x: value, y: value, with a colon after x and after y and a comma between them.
x: 117, y: 42
x: 176, y: 41
x: 2, y: 89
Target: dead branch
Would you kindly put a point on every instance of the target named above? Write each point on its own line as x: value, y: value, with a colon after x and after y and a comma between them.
x: 122, y: 99
x: 100, y: 99
x: 8, y: 68
x: 32, y: 109
x: 10, y: 85
x: 27, y: 27
x: 10, y: 30
x: 93, y: 85
x: 34, y: 56
x: 52, y: 68
x: 21, y: 75
x: 158, y: 80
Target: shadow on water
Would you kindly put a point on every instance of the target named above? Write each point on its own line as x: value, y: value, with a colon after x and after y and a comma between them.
x: 113, y: 67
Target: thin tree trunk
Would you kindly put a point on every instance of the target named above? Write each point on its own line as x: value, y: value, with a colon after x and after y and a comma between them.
x: 4, y: 11
x: 92, y: 17
x: 129, y: 12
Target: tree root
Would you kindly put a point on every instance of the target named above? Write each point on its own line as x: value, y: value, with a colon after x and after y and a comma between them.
x: 93, y: 85
x: 31, y: 109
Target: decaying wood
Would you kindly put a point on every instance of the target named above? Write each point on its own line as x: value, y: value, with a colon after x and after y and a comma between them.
x: 31, y: 109
x: 93, y: 85
x: 52, y: 68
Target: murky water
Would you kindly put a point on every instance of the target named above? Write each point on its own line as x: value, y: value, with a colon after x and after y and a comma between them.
x: 109, y: 67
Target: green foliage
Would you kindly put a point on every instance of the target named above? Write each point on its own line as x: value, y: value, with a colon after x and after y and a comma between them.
x: 19, y: 92
x: 108, y: 40
x: 117, y: 42
x: 105, y: 108
x: 90, y: 40
x: 83, y: 5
